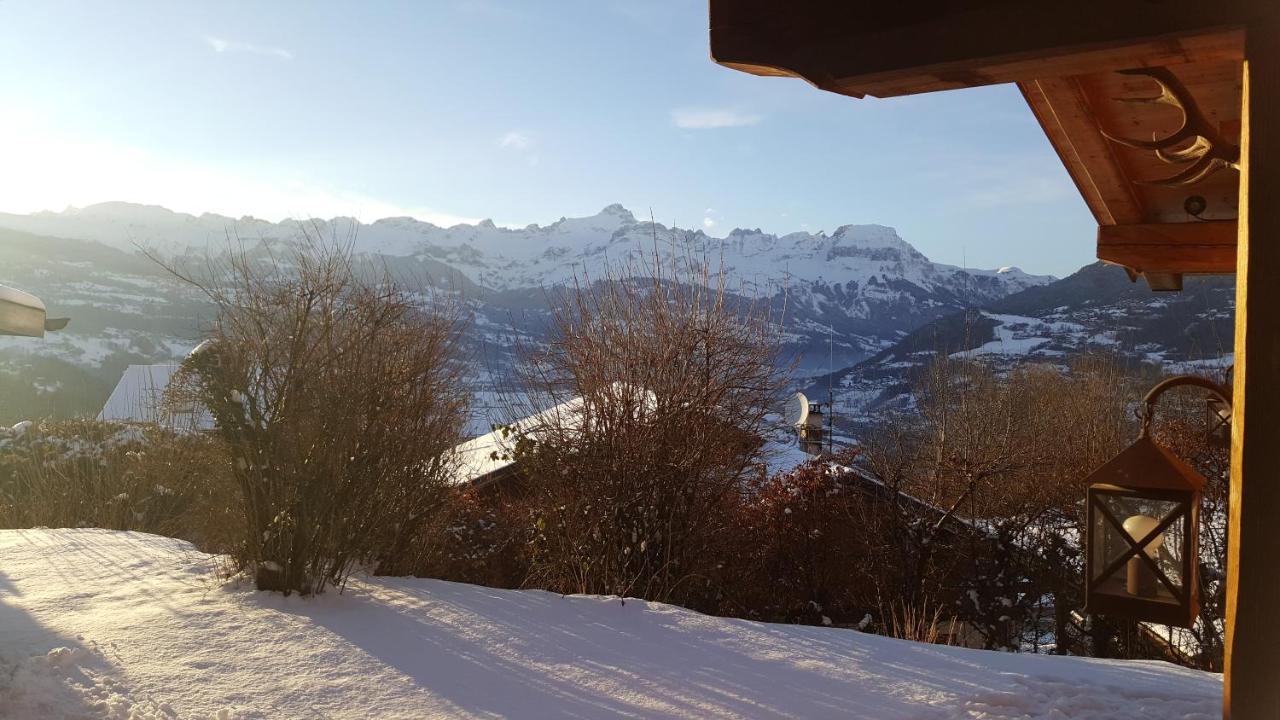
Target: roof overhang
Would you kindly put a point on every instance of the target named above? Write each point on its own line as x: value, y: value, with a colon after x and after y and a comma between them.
x: 1065, y: 58
x: 887, y: 49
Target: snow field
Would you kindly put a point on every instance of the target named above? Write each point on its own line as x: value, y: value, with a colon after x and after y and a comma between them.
x: 103, y: 624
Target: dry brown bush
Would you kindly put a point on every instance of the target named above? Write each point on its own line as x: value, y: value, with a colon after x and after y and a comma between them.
x: 928, y: 623
x: 664, y: 380
x: 476, y: 537
x: 336, y: 390
x: 83, y: 473
x: 800, y: 554
x: 1007, y: 453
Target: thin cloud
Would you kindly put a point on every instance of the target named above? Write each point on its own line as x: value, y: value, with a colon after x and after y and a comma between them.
x: 711, y: 118
x: 996, y: 180
x: 222, y: 45
x: 519, y: 142
x: 515, y: 140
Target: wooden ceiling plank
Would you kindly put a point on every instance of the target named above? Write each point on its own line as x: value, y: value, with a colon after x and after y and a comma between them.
x: 1064, y: 113
x: 1217, y: 46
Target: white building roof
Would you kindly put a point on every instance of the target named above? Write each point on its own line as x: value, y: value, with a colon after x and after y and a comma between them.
x: 492, y: 452
x: 481, y: 457
x: 139, y: 397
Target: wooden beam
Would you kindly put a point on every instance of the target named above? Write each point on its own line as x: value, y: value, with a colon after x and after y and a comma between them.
x: 1178, y: 248
x: 1063, y: 111
x: 1250, y: 688
x: 885, y: 49
x: 1214, y: 45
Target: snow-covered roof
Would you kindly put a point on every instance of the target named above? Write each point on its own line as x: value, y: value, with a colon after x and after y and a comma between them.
x: 480, y: 459
x: 483, y: 457
x: 781, y: 456
x: 139, y: 397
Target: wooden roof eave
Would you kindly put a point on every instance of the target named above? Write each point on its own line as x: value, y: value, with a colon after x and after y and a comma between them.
x: 1160, y: 252
x: 889, y: 49
x: 1050, y: 50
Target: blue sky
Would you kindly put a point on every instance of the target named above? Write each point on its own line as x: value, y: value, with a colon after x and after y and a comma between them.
x: 517, y: 110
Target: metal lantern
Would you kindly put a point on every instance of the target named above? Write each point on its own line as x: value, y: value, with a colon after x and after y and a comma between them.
x: 1218, y: 422
x: 1141, y: 545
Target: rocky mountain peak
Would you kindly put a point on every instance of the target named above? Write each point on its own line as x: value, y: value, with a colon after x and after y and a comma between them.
x: 864, y: 280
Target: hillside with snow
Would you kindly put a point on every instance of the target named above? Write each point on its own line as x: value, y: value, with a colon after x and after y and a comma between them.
x: 103, y: 624
x: 861, y: 285
x: 1095, y: 310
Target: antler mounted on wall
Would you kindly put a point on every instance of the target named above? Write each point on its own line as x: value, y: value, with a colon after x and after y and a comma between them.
x: 1208, y: 151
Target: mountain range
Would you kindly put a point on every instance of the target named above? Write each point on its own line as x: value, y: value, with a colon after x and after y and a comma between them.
x: 861, y: 287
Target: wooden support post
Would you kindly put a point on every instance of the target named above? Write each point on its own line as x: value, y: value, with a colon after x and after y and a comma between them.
x: 1252, y: 678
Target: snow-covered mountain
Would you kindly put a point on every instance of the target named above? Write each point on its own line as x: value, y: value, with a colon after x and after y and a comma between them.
x: 888, y: 307
x: 864, y: 282
x: 501, y: 258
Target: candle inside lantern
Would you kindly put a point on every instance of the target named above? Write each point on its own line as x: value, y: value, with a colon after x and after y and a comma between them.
x: 1142, y: 581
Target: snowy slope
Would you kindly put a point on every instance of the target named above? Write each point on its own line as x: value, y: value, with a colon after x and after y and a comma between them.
x: 97, y: 624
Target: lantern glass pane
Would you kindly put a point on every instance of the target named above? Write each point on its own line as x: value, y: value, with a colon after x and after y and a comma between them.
x: 1135, y: 578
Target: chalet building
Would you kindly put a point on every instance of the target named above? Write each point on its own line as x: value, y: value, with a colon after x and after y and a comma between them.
x: 489, y: 463
x: 954, y: 536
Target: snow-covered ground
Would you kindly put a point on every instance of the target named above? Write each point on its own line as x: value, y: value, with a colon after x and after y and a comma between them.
x: 95, y: 623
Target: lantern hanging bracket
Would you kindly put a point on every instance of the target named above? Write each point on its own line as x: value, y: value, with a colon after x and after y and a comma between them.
x: 1148, y: 409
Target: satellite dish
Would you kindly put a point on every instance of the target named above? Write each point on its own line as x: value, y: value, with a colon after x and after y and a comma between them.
x: 796, y: 410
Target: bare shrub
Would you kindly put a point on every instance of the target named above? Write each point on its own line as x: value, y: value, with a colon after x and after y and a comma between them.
x: 1005, y: 452
x: 476, y: 537
x: 662, y: 381
x: 84, y: 473
x: 336, y: 391
x: 1008, y: 452
x: 799, y: 556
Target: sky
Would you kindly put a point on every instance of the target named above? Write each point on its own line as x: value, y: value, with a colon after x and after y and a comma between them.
x: 520, y: 111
